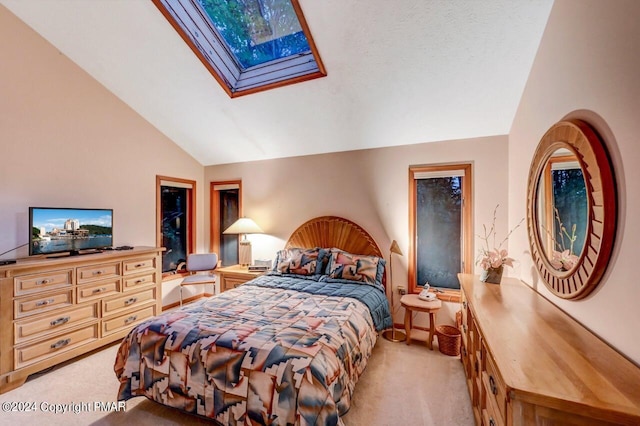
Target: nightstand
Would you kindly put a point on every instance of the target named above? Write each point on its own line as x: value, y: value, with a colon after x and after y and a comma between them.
x: 411, y: 302
x: 233, y: 276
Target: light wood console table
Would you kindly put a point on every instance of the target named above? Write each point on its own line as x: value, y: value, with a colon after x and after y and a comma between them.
x: 529, y: 363
x: 54, y: 309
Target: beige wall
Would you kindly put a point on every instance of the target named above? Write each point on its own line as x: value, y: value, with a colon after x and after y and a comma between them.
x: 369, y: 187
x: 587, y: 67
x: 68, y: 142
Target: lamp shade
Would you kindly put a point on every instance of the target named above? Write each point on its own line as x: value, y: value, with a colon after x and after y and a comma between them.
x: 395, y: 248
x: 244, y: 225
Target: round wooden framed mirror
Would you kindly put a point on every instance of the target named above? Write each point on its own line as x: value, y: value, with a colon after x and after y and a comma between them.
x: 571, y: 209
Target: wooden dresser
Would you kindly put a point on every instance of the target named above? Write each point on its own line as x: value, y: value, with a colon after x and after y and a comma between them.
x: 52, y: 310
x: 529, y: 363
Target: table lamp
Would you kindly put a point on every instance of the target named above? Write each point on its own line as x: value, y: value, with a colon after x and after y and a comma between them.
x: 244, y: 226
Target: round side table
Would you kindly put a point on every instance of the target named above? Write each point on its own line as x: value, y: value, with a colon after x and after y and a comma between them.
x: 411, y: 303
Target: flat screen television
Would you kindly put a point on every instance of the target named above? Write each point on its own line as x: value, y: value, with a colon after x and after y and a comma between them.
x: 66, y: 230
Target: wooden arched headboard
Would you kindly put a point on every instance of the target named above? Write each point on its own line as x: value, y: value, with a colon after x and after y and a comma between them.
x: 334, y: 231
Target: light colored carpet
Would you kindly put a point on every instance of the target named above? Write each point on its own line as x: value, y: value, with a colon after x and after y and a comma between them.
x: 402, y: 385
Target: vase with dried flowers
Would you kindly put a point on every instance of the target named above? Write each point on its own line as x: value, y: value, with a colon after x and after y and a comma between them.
x: 493, y: 261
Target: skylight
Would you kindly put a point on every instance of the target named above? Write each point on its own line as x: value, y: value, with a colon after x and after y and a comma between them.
x: 248, y: 45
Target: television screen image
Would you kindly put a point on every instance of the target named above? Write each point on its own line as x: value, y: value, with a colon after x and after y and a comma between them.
x: 58, y: 230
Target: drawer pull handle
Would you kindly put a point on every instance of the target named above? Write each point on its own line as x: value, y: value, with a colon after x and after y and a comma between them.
x: 464, y: 304
x: 60, y: 343
x: 492, y: 422
x: 132, y: 318
x: 141, y: 280
x: 44, y: 302
x: 139, y: 265
x: 60, y: 321
x: 45, y: 281
x: 464, y: 328
x: 99, y: 290
x: 492, y: 385
x: 475, y: 366
x: 130, y: 301
x: 99, y: 272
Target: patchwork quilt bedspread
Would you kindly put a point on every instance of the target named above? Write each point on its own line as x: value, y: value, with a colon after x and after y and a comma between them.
x: 277, y: 350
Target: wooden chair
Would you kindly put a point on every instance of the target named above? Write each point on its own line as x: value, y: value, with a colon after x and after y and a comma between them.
x: 199, y: 263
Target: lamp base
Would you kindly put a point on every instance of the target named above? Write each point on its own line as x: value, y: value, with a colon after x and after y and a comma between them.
x: 244, y: 253
x: 394, y: 335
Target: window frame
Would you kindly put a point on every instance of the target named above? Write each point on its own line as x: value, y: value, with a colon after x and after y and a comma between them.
x: 467, y: 224
x: 191, y: 213
x: 214, y: 207
x: 221, y: 63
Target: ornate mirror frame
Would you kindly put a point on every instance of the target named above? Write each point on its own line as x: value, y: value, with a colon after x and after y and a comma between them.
x: 580, y: 138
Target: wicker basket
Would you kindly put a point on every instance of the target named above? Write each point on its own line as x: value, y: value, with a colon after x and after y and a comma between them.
x: 448, y: 340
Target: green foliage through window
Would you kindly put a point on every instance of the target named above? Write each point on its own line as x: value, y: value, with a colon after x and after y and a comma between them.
x: 570, y: 200
x: 251, y: 29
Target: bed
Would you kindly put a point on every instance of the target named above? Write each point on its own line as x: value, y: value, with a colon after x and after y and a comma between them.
x: 286, y: 348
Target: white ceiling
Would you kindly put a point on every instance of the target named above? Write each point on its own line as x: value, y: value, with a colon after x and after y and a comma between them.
x: 399, y: 72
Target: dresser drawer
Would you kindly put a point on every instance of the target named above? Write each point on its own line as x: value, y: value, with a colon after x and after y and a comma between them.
x: 98, y: 289
x: 474, y: 348
x: 29, y: 329
x: 494, y: 385
x: 41, y: 303
x: 87, y: 274
x: 465, y: 357
x: 30, y: 354
x: 233, y: 281
x: 124, y: 303
x: 127, y: 321
x: 464, y: 306
x: 465, y: 318
x: 135, y: 266
x: 135, y: 282
x: 490, y: 415
x: 50, y: 280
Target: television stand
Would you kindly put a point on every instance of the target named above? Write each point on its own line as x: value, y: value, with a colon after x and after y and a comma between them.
x: 54, y: 310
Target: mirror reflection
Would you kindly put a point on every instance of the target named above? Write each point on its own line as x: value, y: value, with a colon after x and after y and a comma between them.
x: 563, y: 210
x: 571, y: 209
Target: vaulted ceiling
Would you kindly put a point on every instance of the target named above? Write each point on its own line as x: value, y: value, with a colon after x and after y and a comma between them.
x: 398, y: 72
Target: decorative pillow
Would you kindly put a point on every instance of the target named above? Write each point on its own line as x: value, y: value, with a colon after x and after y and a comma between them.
x: 355, y: 267
x: 299, y: 261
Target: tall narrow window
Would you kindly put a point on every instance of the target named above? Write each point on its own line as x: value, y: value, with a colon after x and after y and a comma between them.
x: 175, y: 212
x: 225, y: 210
x: 440, y: 225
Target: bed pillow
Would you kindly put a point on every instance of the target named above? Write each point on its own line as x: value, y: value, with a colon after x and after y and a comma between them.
x: 299, y: 261
x: 355, y: 267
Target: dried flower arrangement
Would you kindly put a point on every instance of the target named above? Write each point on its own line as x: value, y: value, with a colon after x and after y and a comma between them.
x: 493, y: 260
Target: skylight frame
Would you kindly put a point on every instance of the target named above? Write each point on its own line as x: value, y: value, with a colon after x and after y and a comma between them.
x: 209, y: 46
